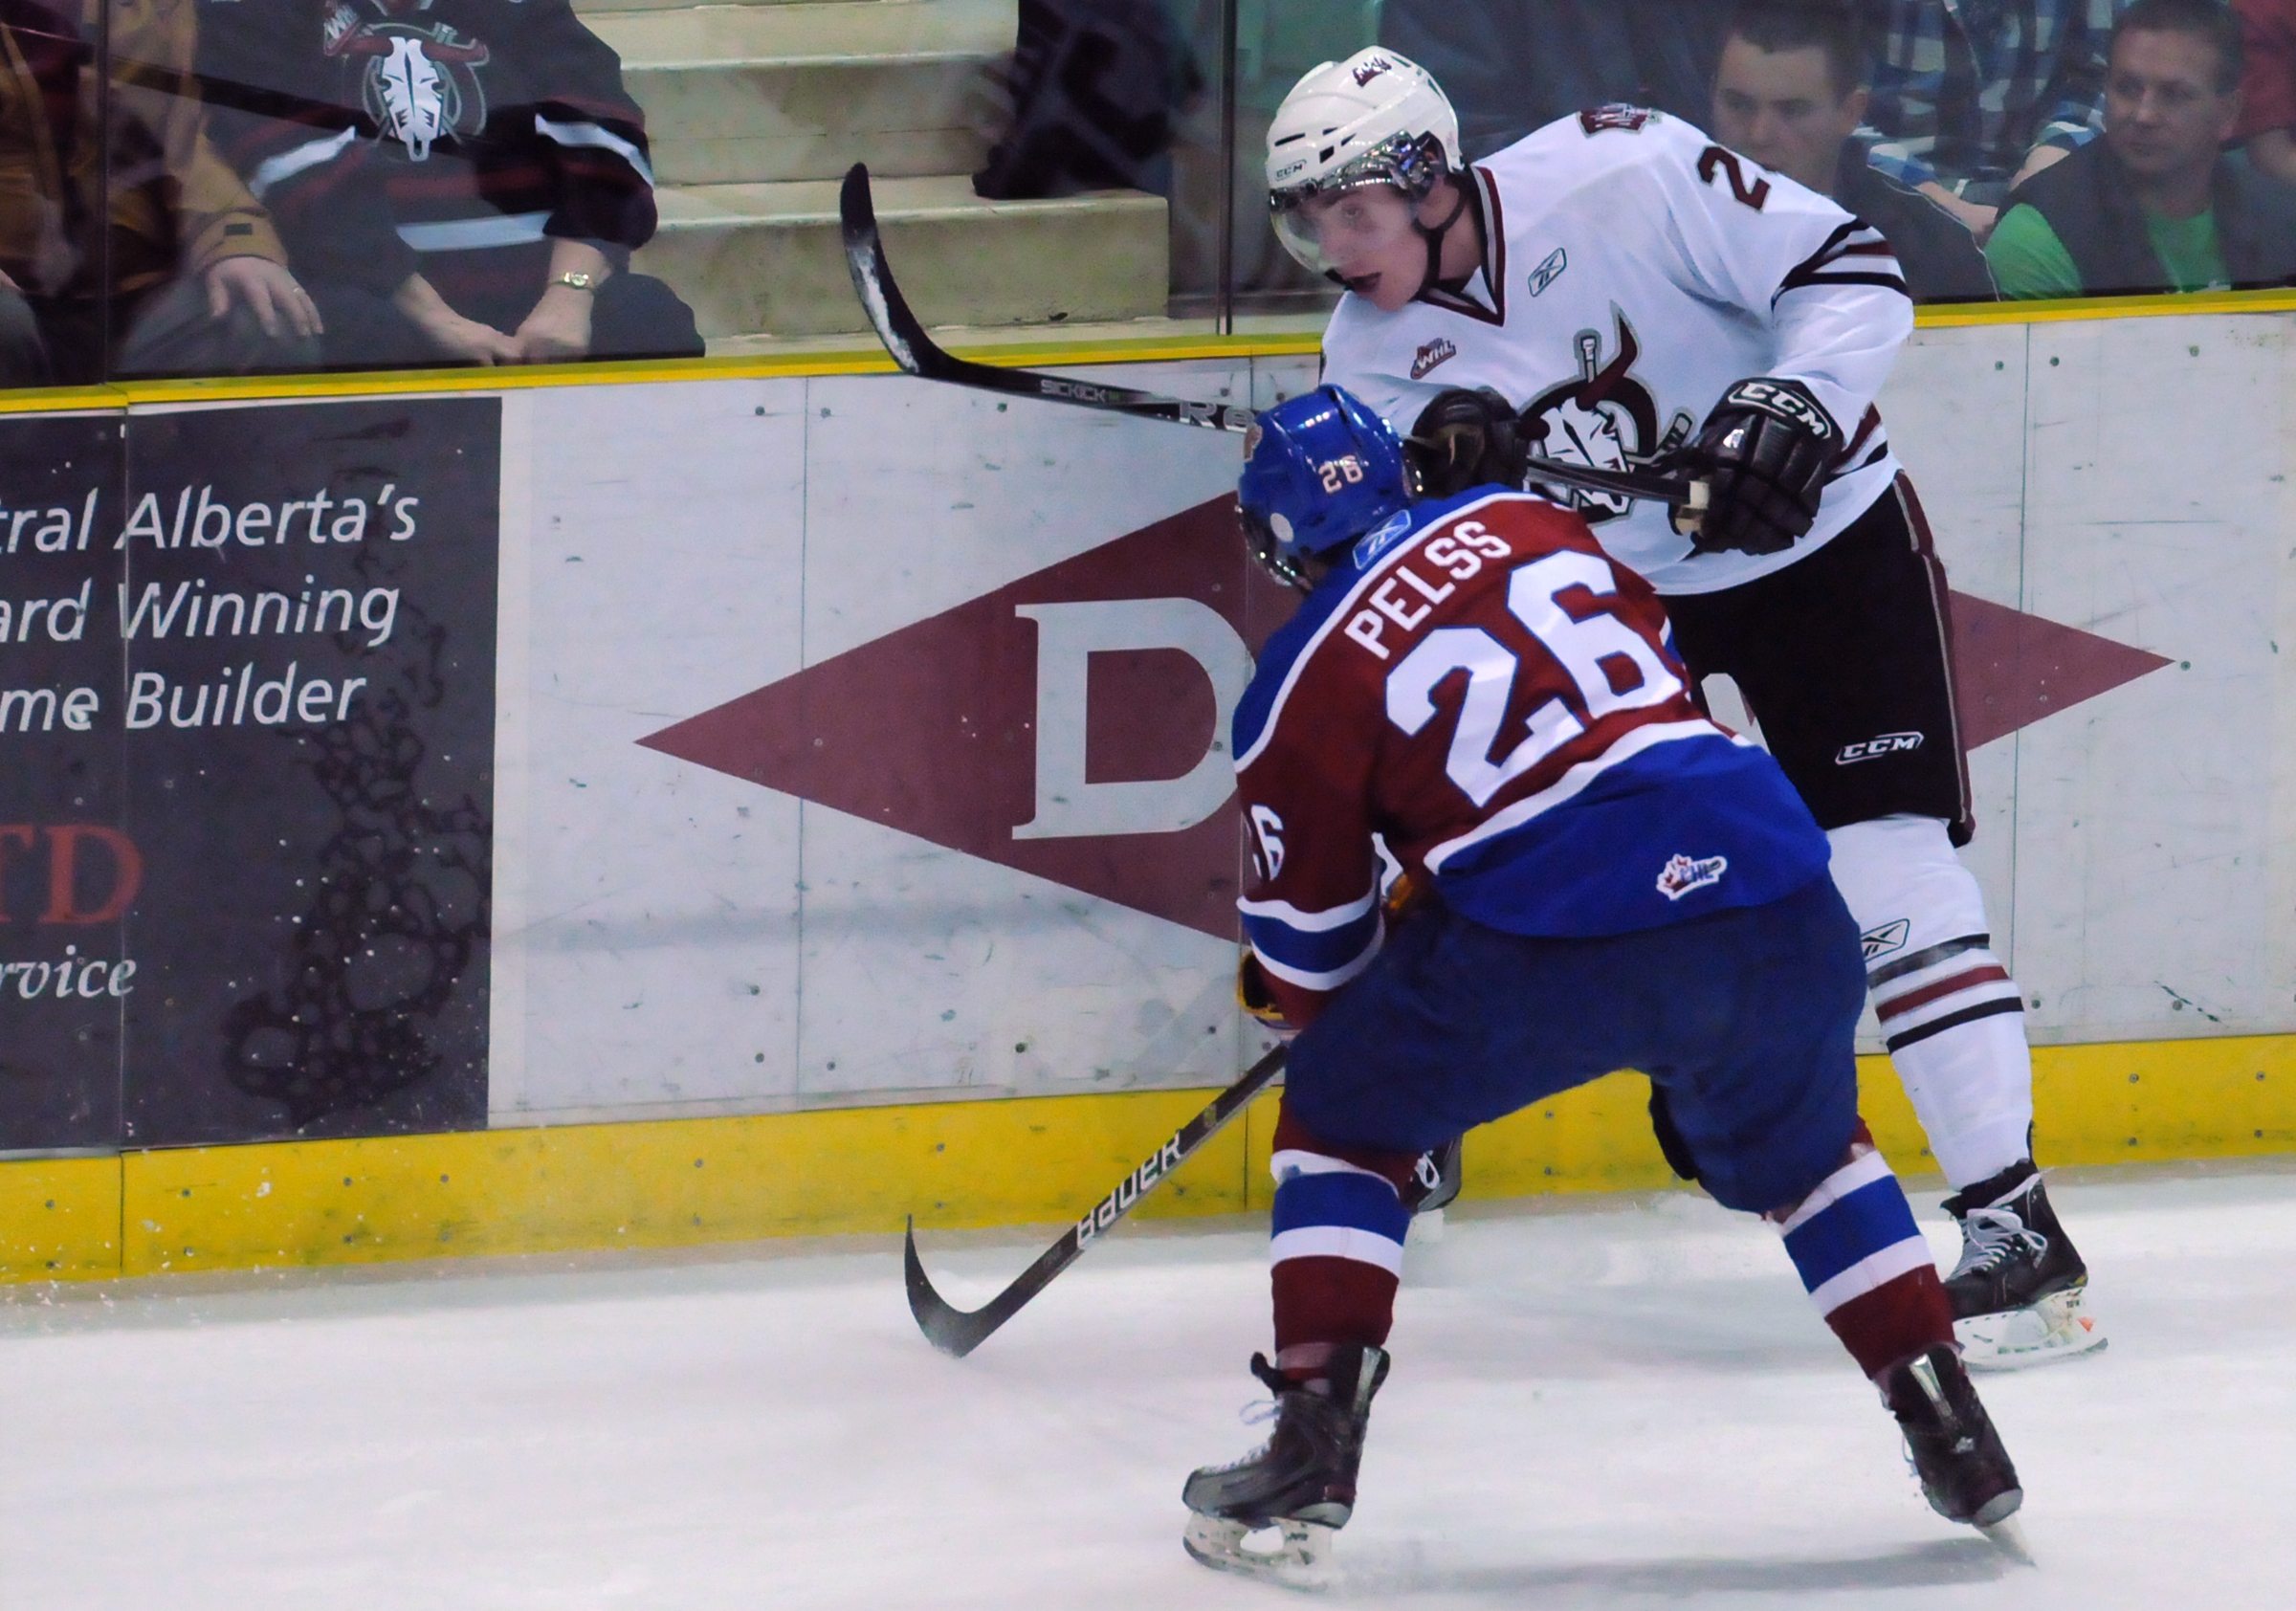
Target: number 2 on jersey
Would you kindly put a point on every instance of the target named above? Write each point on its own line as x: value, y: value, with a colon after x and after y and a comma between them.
x: 1579, y: 647
x: 1715, y: 159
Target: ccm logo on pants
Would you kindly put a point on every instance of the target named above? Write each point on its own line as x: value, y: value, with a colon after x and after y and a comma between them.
x: 1873, y: 749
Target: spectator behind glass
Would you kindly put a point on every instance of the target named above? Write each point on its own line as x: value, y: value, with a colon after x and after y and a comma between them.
x: 463, y: 181
x: 1097, y: 86
x: 2269, y: 85
x: 190, y: 277
x: 2156, y: 205
x: 1789, y: 92
x: 1511, y: 66
x: 1971, y: 98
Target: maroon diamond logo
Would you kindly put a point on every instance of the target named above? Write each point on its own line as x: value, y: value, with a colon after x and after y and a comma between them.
x: 1072, y: 724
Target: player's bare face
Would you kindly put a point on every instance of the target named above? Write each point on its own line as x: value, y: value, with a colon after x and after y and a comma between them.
x: 2166, y: 114
x: 1365, y: 236
x: 1782, y: 109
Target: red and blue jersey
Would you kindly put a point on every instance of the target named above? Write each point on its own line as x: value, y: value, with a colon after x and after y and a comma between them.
x: 1477, y: 686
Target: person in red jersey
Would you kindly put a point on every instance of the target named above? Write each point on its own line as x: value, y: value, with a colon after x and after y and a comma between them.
x: 1608, y: 880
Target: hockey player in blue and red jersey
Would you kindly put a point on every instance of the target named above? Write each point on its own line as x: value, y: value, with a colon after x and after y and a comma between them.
x: 1607, y: 880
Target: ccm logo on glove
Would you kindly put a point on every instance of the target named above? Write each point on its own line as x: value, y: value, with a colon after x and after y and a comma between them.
x: 1786, y: 402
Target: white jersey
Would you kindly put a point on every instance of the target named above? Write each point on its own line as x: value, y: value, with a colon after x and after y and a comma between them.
x: 1632, y: 270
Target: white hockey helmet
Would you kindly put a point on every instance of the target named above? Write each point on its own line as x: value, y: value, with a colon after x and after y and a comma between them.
x: 1375, y: 118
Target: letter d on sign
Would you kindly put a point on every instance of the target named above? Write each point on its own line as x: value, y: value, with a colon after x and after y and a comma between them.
x: 64, y: 841
x: 1067, y: 636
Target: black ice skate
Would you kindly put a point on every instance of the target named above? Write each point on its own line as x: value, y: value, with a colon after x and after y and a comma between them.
x: 2020, y: 1290
x: 1964, y: 1470
x: 1435, y: 1180
x: 1302, y: 1484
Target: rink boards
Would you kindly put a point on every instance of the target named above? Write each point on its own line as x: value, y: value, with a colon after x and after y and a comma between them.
x: 766, y: 768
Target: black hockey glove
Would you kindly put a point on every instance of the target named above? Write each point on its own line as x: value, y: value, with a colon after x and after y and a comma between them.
x: 1465, y: 439
x: 1762, y: 452
x: 1253, y: 995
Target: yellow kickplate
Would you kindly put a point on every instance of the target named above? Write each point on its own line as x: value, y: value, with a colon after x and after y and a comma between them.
x: 59, y: 1219
x: 956, y: 1164
x: 659, y: 1184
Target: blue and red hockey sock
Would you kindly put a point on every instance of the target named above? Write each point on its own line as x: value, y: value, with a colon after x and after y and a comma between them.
x: 1864, y: 1263
x: 1336, y: 1253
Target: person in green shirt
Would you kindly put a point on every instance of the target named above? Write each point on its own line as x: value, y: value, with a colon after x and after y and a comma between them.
x: 2154, y: 205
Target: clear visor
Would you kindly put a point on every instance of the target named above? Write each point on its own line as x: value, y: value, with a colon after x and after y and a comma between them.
x: 1344, y: 225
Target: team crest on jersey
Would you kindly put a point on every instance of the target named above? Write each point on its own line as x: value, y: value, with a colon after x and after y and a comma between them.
x: 1684, y: 874
x: 1606, y: 419
x: 419, y: 83
x: 1440, y: 350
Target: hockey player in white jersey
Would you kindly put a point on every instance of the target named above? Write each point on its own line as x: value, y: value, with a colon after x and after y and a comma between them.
x: 1616, y: 289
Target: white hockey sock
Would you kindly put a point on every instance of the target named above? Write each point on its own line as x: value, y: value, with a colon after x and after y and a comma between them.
x: 1951, y: 1015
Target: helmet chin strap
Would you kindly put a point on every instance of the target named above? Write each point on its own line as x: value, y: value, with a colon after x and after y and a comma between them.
x: 1434, y: 234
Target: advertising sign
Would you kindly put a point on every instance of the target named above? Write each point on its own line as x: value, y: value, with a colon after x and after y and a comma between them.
x: 247, y: 711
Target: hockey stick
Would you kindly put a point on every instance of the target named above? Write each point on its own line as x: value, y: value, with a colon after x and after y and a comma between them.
x: 957, y: 1332
x: 918, y: 354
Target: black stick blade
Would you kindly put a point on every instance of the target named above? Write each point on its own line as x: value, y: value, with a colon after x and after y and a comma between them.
x: 951, y: 1329
x: 872, y: 277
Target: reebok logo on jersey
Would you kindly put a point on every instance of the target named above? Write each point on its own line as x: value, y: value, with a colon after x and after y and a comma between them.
x: 1550, y: 271
x: 1437, y: 351
x: 1372, y: 69
x: 1873, y: 749
x: 1684, y: 874
x: 1369, y: 548
x: 1878, y: 943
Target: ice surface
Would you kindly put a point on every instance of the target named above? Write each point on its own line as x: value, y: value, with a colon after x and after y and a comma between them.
x: 1622, y: 1403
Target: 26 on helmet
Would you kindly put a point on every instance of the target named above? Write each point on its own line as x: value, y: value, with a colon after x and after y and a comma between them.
x: 1375, y: 118
x: 1319, y: 471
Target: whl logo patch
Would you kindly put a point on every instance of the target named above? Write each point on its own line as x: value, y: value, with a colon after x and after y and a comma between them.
x: 1684, y: 874
x: 1440, y: 350
x: 1889, y: 937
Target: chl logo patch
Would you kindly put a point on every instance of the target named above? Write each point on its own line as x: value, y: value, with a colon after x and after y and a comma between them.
x: 1878, y: 943
x: 1440, y: 350
x: 1684, y: 874
x: 1873, y: 749
x: 1616, y: 116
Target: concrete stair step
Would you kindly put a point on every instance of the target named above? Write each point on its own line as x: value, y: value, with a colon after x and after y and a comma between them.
x: 781, y: 91
x: 599, y: 8
x: 759, y: 260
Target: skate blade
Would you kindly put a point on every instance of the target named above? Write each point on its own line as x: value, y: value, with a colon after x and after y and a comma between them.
x: 1301, y: 1557
x: 2008, y: 1537
x: 2056, y: 1328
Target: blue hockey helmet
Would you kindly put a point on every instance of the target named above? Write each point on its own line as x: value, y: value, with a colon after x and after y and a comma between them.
x: 1319, y: 471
